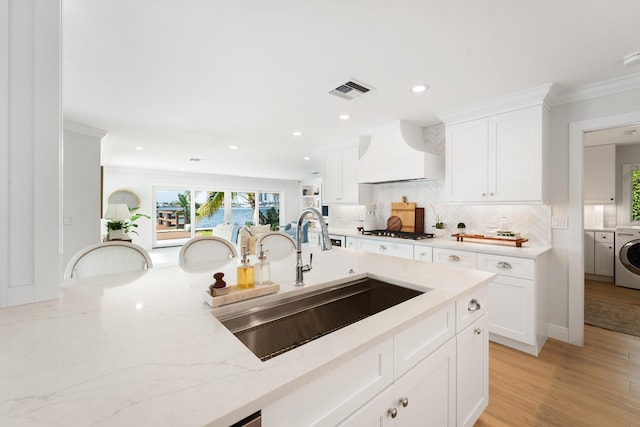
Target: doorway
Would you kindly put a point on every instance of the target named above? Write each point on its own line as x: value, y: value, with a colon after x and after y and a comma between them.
x: 575, y: 236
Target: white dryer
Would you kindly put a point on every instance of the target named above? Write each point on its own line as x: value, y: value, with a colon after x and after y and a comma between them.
x: 627, y: 255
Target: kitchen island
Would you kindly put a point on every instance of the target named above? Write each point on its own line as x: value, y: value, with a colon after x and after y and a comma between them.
x: 144, y: 349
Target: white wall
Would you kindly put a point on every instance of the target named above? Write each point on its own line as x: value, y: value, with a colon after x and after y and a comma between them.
x: 30, y: 117
x: 142, y: 182
x: 81, y: 185
x: 564, y: 244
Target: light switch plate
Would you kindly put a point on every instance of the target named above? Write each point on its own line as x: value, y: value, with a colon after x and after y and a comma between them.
x: 560, y: 222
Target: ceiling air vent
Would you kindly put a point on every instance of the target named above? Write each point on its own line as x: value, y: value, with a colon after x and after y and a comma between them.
x: 350, y: 90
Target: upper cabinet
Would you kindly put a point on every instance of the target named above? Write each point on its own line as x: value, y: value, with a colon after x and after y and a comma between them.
x: 340, y: 184
x: 498, y: 158
x: 600, y: 174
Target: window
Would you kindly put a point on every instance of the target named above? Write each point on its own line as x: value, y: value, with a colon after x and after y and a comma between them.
x: 630, y: 195
x: 635, y: 195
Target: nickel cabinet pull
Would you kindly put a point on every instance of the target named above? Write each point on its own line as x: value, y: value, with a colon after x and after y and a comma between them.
x: 474, y: 305
x: 454, y: 258
x: 503, y: 265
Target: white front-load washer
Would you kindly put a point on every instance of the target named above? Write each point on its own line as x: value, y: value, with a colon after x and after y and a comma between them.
x: 627, y: 255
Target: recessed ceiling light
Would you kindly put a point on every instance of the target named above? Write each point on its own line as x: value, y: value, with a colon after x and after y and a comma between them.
x: 307, y: 158
x: 632, y: 58
x: 297, y: 133
x: 419, y: 88
x: 233, y: 147
x: 139, y: 148
x: 344, y: 117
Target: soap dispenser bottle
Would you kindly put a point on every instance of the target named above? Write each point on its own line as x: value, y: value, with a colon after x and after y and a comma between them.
x: 263, y: 273
x: 245, y: 272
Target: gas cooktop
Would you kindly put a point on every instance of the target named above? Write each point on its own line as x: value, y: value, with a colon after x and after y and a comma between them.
x: 398, y: 234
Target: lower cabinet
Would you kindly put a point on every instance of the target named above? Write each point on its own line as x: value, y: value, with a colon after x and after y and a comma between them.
x: 426, y: 374
x: 385, y: 247
x: 423, y: 396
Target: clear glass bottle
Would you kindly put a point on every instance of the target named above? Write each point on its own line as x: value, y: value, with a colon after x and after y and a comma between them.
x: 245, y: 272
x: 263, y: 270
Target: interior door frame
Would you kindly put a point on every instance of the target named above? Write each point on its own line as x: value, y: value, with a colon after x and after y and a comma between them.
x: 576, y: 215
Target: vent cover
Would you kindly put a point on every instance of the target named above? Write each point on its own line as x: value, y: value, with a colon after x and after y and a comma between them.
x: 350, y: 90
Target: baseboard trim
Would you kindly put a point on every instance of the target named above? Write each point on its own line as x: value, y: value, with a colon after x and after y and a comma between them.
x: 559, y: 333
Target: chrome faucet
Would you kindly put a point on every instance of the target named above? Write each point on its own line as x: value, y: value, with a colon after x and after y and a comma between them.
x: 325, y: 243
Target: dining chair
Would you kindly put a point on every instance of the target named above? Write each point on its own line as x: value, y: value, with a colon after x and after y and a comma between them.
x: 203, y: 249
x: 107, y: 258
x: 278, y: 244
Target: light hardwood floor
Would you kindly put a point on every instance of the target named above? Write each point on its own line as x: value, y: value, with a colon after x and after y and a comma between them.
x: 611, y: 292
x: 595, y: 385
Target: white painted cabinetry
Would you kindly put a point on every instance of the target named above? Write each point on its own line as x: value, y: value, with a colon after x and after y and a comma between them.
x: 456, y: 258
x: 589, y: 252
x: 600, y: 174
x: 423, y: 253
x: 340, y: 183
x: 385, y: 247
x: 497, y: 158
x: 414, y: 377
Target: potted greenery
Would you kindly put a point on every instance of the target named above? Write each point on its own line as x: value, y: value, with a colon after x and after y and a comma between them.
x: 118, y: 229
x: 462, y: 228
x: 115, y: 229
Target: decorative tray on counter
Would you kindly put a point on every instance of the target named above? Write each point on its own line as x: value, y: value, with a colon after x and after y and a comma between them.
x: 510, y: 239
x: 236, y: 295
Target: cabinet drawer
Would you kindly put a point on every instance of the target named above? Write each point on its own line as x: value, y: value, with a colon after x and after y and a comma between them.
x: 604, y: 236
x: 417, y: 342
x: 332, y: 396
x: 471, y: 307
x: 523, y: 268
x: 457, y: 258
x: 385, y: 247
x: 423, y: 253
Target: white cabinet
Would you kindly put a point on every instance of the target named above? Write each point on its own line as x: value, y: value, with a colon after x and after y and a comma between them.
x: 600, y: 174
x: 599, y: 253
x: 352, y: 242
x: 517, y: 317
x: 604, y: 254
x: 589, y: 252
x: 497, y: 159
x: 423, y: 253
x: 456, y: 258
x: 340, y: 184
x: 385, y: 247
x: 311, y: 196
x: 423, y: 396
x: 472, y: 372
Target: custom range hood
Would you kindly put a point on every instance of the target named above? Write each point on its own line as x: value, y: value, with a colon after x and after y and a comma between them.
x: 397, y: 152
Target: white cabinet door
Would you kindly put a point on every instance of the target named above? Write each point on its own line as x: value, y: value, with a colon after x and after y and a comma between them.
x: 352, y: 242
x: 376, y: 413
x: 466, y: 161
x: 332, y: 178
x: 340, y: 182
x: 426, y: 395
x: 604, y: 259
x: 385, y: 247
x: 512, y: 308
x: 515, y: 156
x: 600, y: 174
x: 423, y: 253
x: 472, y: 372
x: 497, y: 159
x: 589, y: 252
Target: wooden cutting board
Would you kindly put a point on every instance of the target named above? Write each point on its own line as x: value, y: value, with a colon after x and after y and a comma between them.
x: 407, y: 214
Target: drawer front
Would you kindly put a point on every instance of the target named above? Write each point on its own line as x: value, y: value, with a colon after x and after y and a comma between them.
x: 423, y: 253
x: 523, y: 268
x: 456, y: 258
x: 604, y: 236
x: 471, y: 307
x: 336, y: 393
x: 421, y: 339
x: 384, y: 247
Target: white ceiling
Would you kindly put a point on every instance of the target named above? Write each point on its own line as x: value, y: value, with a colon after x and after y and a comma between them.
x: 188, y: 78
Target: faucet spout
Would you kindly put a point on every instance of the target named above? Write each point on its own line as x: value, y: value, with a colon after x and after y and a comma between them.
x: 325, y: 242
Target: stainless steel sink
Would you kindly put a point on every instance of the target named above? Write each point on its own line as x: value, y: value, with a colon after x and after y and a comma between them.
x: 270, y: 330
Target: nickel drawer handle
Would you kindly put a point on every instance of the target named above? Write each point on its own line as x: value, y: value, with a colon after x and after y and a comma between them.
x: 393, y: 412
x: 383, y: 248
x: 454, y: 258
x: 477, y: 331
x: 503, y: 265
x: 474, y: 305
x: 404, y: 402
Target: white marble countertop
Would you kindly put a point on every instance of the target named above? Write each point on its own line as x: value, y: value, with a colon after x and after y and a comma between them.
x: 146, y: 350
x: 499, y: 248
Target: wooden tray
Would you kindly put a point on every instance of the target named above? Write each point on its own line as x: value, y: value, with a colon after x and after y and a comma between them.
x: 518, y: 241
x: 236, y: 294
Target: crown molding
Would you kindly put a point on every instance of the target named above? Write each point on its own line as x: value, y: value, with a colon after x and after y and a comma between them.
x: 84, y: 129
x: 598, y: 89
x: 539, y: 95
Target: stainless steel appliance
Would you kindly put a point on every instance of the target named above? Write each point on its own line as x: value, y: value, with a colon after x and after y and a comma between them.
x: 398, y: 234
x: 627, y: 256
x: 338, y: 240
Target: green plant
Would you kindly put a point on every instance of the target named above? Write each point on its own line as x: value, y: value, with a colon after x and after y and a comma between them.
x: 129, y: 224
x: 461, y: 225
x: 184, y: 200
x: 115, y: 225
